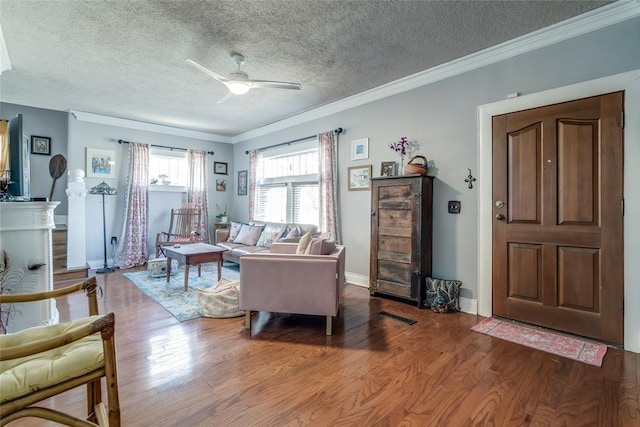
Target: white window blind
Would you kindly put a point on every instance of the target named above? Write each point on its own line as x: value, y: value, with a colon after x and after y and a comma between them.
x: 272, y: 203
x: 168, y: 166
x: 287, y: 186
x: 306, y: 203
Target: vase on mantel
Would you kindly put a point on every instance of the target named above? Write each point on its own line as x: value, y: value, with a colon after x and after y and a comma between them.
x: 401, y: 168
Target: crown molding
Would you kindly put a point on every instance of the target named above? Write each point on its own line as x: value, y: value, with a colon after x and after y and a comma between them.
x: 150, y: 127
x: 599, y: 18
x: 5, y: 62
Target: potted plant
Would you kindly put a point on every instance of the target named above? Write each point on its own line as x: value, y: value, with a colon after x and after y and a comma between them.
x: 222, y: 214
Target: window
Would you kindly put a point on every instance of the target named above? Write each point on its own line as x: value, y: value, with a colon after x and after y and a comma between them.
x: 287, y: 186
x: 168, y: 168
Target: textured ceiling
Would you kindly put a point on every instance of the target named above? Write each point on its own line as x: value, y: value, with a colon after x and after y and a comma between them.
x: 127, y: 59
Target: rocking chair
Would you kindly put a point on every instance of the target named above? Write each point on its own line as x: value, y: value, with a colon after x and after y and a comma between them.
x: 41, y: 362
x: 183, y: 228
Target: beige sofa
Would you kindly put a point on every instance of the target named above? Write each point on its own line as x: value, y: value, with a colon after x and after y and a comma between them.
x: 237, y: 250
x: 282, y: 281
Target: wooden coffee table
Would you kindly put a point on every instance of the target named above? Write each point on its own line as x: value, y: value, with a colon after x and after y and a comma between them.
x: 193, y: 254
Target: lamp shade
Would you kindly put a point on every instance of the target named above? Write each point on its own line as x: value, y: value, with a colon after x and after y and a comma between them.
x: 103, y: 188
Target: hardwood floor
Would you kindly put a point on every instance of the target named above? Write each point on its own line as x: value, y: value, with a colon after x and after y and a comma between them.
x: 374, y: 370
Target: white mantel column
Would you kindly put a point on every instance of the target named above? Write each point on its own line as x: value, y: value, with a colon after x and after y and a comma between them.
x: 76, y: 232
x: 25, y: 236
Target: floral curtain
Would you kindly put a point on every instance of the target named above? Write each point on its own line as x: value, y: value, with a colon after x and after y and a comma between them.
x: 253, y: 168
x: 328, y: 180
x: 197, y: 189
x: 133, y: 249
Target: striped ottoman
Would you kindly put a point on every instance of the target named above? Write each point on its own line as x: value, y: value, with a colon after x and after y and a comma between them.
x: 157, y: 267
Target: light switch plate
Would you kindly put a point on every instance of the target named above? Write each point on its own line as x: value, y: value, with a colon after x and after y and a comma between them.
x: 454, y: 206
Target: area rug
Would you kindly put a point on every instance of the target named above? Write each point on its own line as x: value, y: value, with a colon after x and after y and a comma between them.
x: 561, y: 345
x: 182, y: 305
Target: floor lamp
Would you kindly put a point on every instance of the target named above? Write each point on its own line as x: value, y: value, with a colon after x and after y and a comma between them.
x: 105, y: 190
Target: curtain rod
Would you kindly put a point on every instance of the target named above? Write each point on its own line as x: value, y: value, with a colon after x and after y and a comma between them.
x: 337, y: 131
x: 122, y: 141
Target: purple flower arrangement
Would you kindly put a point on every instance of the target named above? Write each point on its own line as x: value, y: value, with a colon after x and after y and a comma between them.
x: 400, y: 147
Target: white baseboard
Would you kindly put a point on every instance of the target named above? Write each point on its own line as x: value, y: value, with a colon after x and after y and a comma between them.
x: 467, y: 305
x: 99, y: 263
x: 357, y: 279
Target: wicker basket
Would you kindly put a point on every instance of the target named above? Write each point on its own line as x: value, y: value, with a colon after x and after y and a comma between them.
x: 417, y: 168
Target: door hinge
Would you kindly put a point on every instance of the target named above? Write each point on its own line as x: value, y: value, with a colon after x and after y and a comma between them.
x: 622, y: 119
x: 622, y: 207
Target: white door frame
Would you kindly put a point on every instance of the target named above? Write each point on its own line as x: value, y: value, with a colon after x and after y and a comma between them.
x: 630, y: 83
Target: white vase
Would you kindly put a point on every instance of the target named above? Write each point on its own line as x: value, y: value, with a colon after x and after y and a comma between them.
x: 224, y: 219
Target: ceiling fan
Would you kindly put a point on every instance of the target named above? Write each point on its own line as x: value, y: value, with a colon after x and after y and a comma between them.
x: 238, y: 81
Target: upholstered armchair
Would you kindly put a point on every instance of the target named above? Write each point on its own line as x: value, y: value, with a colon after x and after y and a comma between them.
x: 283, y: 281
x: 44, y: 361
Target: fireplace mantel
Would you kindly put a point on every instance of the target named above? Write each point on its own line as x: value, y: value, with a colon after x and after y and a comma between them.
x: 25, y: 236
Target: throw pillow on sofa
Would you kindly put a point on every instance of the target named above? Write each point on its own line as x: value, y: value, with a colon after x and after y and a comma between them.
x: 248, y: 235
x: 303, y: 243
x: 296, y: 231
x: 234, y: 229
x: 319, y: 246
x: 270, y: 234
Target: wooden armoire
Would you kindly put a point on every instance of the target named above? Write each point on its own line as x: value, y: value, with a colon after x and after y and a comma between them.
x: 401, y: 236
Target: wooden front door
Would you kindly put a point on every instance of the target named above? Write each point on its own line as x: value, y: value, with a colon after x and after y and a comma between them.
x: 558, y: 225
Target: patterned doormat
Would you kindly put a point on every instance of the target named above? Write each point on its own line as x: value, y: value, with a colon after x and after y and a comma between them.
x: 182, y: 305
x: 544, y: 340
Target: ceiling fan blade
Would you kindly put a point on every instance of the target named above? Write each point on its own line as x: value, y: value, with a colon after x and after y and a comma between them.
x: 274, y: 85
x: 207, y: 71
x: 225, y: 98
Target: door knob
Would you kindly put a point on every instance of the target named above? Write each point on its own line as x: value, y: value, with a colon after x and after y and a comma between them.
x: 500, y: 204
x: 499, y: 217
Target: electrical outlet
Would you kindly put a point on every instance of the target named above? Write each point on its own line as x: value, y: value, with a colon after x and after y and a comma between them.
x: 454, y: 206
x: 114, y: 240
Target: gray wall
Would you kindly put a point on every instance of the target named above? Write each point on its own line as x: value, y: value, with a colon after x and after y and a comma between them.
x: 442, y: 117
x: 83, y: 135
x: 52, y: 124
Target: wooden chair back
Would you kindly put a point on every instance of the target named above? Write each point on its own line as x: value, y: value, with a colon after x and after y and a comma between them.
x: 184, y: 221
x: 97, y: 413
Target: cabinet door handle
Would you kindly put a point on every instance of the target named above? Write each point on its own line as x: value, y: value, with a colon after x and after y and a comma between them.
x: 499, y: 217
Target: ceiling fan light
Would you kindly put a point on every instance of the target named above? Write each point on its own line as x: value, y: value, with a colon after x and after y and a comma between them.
x: 238, y: 88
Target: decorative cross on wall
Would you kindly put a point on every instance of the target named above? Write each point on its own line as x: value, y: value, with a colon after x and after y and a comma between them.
x: 470, y: 179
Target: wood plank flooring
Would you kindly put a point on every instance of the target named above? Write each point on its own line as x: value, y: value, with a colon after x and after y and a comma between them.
x: 373, y: 371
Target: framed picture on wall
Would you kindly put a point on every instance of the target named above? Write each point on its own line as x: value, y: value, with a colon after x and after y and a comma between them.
x: 220, y: 168
x: 41, y: 145
x: 221, y: 185
x: 360, y: 149
x: 242, y: 183
x: 101, y: 163
x: 360, y: 178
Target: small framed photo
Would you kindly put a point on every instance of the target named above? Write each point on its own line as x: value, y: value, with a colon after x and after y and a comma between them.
x: 221, y: 185
x: 220, y: 168
x: 41, y: 145
x: 360, y: 149
x: 242, y: 183
x: 360, y: 178
x: 101, y: 163
x: 388, y: 169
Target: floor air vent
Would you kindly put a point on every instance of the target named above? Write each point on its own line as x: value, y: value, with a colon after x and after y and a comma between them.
x: 396, y: 317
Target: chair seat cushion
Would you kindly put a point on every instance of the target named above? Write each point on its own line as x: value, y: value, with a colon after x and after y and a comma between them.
x: 22, y: 376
